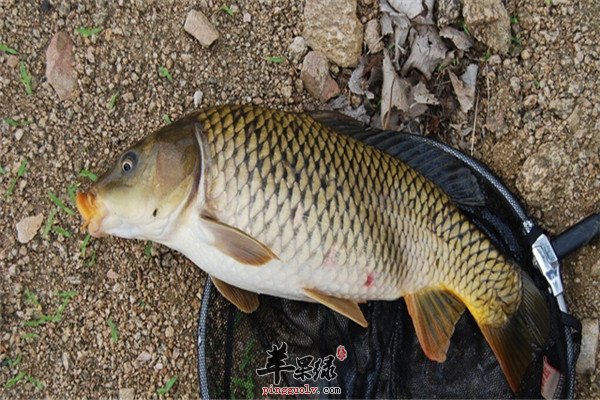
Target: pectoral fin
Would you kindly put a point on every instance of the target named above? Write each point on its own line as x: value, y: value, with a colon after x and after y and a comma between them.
x: 244, y: 300
x: 346, y: 307
x: 237, y: 244
x: 434, y: 313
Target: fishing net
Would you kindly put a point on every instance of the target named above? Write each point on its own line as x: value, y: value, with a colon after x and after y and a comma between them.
x: 289, y: 348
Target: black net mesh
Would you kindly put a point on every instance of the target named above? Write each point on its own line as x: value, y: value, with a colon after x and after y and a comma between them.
x: 385, y: 360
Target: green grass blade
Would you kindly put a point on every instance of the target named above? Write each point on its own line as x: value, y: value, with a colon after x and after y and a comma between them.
x: 88, y: 174
x: 92, y: 260
x: 276, y: 59
x: 39, y: 385
x: 30, y: 336
x: 25, y: 78
x: 113, y: 102
x: 87, y: 32
x: 13, y: 182
x: 227, y: 9
x: 14, y: 380
x: 8, y: 50
x: 72, y: 192
x: 163, y: 72
x: 13, y: 362
x: 44, y: 319
x: 11, y: 122
x: 49, y: 223
x: 67, y: 294
x: 84, y: 244
x: 61, y: 231
x: 148, y: 249
x: 114, y: 332
x: 58, y: 202
x: 14, y: 123
x: 31, y: 298
x: 165, y: 389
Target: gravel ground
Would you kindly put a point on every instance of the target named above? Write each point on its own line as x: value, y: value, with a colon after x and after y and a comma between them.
x: 153, y: 299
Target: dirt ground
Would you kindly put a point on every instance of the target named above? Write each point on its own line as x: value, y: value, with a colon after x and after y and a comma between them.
x: 151, y: 297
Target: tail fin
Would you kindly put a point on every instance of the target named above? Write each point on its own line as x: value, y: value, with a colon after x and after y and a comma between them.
x: 515, y: 343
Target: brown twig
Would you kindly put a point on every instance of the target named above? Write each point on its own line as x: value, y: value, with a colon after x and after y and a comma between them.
x: 474, y: 123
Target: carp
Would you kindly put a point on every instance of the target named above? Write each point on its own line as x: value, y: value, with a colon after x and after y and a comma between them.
x: 279, y: 203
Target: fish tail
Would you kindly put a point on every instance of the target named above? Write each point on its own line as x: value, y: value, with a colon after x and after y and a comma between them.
x: 516, y: 341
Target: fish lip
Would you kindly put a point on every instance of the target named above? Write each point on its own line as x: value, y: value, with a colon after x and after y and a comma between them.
x: 93, y: 214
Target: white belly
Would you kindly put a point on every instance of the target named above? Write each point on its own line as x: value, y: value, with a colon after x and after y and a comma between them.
x: 264, y: 279
x: 276, y: 278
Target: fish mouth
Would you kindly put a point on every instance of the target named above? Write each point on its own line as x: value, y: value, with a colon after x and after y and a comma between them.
x: 92, y: 213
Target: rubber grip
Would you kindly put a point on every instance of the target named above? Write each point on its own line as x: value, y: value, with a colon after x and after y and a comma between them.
x: 577, y: 236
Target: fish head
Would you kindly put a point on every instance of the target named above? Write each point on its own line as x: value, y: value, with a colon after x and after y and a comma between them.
x: 147, y: 187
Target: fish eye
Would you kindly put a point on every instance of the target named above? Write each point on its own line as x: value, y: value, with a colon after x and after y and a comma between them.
x: 128, y: 162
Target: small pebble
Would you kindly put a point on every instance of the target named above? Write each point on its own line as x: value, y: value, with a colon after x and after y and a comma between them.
x: 169, y: 332
x: 126, y: 394
x: 110, y: 274
x: 198, y: 96
x: 199, y: 26
x: 28, y: 227
x: 144, y: 356
x: 589, y: 346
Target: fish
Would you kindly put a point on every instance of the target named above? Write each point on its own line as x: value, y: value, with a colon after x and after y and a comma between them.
x: 299, y: 206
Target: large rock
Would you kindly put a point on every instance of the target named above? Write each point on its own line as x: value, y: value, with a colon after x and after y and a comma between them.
x: 59, y: 66
x: 332, y: 28
x: 197, y: 25
x: 316, y: 78
x: 489, y: 22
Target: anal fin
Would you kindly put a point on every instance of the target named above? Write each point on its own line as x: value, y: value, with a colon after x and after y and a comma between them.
x: 244, y: 300
x: 434, y: 313
x: 346, y: 307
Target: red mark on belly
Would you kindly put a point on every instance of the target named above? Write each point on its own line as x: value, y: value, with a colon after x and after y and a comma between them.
x: 370, y: 279
x: 330, y: 259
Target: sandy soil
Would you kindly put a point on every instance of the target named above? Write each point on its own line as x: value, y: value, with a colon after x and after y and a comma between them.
x: 152, y: 299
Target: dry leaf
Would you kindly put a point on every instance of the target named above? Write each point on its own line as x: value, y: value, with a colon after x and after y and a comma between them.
x: 465, y: 87
x: 461, y: 40
x: 426, y: 52
x: 393, y: 91
x: 356, y: 82
x: 410, y: 8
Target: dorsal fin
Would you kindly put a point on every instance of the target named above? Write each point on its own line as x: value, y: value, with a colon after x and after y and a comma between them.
x: 341, y: 123
x: 445, y: 170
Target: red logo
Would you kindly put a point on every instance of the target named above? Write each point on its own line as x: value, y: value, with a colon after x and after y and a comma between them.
x: 341, y: 353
